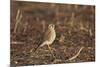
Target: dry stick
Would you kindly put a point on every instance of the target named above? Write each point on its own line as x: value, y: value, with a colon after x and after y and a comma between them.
x: 43, y: 25
x: 25, y: 27
x: 75, y: 55
x: 90, y: 31
x: 72, y: 19
x: 18, y: 19
x: 15, y: 42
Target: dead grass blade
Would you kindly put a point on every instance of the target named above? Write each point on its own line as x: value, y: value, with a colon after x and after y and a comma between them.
x: 75, y: 56
x: 18, y: 19
x: 15, y: 42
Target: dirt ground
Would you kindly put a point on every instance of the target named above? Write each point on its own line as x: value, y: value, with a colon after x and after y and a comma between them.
x: 74, y: 26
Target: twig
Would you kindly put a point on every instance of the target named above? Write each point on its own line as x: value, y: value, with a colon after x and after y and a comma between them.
x: 43, y: 25
x: 75, y: 56
x: 15, y: 42
x: 18, y: 19
x: 72, y: 19
x: 90, y: 31
x: 25, y: 27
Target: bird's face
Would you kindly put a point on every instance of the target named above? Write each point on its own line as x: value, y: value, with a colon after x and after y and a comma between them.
x: 51, y: 26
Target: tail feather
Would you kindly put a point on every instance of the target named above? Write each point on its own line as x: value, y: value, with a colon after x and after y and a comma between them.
x: 39, y: 46
x: 43, y: 44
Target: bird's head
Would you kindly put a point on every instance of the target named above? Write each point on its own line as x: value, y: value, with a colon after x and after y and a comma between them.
x: 51, y: 26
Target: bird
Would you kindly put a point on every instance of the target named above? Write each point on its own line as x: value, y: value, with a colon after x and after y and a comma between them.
x: 49, y: 37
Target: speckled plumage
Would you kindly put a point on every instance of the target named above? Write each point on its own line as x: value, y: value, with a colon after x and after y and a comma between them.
x: 49, y: 36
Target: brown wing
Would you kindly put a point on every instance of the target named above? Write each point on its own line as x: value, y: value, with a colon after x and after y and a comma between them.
x: 47, y: 35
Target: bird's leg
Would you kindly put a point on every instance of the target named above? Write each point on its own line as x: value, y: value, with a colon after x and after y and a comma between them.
x: 51, y: 51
